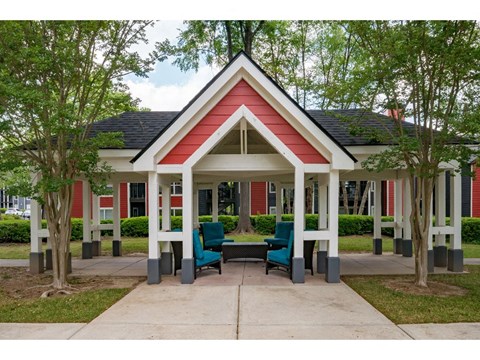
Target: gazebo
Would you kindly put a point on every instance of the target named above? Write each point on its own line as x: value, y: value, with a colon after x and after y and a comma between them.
x: 243, y: 127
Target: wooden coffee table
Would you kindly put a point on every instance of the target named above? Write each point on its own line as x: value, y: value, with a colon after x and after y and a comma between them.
x: 244, y: 250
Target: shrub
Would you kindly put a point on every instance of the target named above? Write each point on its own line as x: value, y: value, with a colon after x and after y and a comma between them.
x: 16, y: 231
x: 264, y: 224
x: 135, y: 227
x: 3, y: 210
x: 471, y: 230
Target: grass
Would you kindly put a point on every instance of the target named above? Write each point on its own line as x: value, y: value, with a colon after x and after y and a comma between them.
x: 76, y: 308
x: 402, y: 308
x: 358, y: 243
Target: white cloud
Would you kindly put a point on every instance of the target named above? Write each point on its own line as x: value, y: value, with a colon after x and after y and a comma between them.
x: 170, y: 97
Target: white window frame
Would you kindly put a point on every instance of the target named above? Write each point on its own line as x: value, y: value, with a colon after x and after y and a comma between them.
x: 270, y: 184
x: 272, y: 210
x: 102, y: 210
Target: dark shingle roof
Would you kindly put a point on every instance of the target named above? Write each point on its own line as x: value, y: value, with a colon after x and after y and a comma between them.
x: 140, y: 128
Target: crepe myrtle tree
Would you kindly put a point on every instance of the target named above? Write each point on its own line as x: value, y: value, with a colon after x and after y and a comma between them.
x: 56, y: 79
x: 427, y: 72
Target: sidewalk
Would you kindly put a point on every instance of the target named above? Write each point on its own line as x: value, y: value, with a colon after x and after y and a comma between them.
x: 242, y: 303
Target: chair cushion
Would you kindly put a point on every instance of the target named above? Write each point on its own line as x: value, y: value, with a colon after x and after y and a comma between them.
x: 281, y: 256
x: 290, y: 242
x: 277, y: 241
x: 282, y: 229
x: 197, y: 245
x: 216, y: 242
x: 208, y: 258
x: 212, y: 231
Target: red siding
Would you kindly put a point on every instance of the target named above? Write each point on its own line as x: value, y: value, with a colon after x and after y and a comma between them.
x: 243, y: 94
x: 258, y: 196
x: 77, y: 208
x: 391, y: 198
x: 106, y: 202
x: 476, y: 192
x: 175, y: 201
x: 123, y: 200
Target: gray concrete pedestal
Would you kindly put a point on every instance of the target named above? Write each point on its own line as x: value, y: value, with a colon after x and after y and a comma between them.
x: 407, y: 248
x: 48, y: 259
x: 430, y: 261
x: 167, y: 263
x: 332, y: 273
x: 377, y: 246
x: 397, y: 246
x: 440, y: 256
x: 321, y: 262
x: 96, y: 248
x: 87, y: 248
x: 298, y: 270
x: 455, y: 260
x: 154, y: 271
x: 116, y: 248
x: 36, y: 263
x: 188, y: 270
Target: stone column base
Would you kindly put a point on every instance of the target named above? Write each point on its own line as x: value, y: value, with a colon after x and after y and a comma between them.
x: 332, y: 273
x: 430, y: 261
x: 167, y: 263
x: 455, y: 260
x: 397, y: 246
x: 36, y: 263
x: 407, y: 248
x: 116, y: 248
x: 377, y: 246
x: 440, y: 256
x: 321, y: 262
x: 188, y: 270
x: 298, y: 270
x: 87, y: 250
x: 153, y: 271
x: 69, y: 263
x: 97, y: 248
x: 48, y: 259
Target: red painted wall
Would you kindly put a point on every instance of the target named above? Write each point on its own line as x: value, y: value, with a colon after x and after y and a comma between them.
x: 243, y: 94
x: 476, y: 192
x: 391, y: 197
x: 77, y: 208
x: 258, y: 198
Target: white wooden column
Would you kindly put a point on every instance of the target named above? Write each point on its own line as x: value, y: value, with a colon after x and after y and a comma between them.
x: 116, y: 244
x: 215, y: 202
x: 36, y: 252
x: 87, y: 246
x: 407, y: 249
x: 397, y: 217
x: 96, y: 234
x: 440, y: 208
x: 456, y: 210
x: 153, y: 215
x: 166, y: 205
x: 333, y: 187
x: 278, y: 201
x: 299, y: 214
x: 322, y: 214
x: 377, y: 216
x: 195, y: 207
x: 188, y: 262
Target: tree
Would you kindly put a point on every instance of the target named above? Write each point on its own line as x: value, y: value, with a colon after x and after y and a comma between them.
x: 56, y: 79
x: 429, y: 71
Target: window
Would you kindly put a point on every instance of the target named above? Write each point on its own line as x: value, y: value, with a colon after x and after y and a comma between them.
x: 271, y: 188
x: 176, y: 212
x: 106, y: 213
x: 176, y: 188
x: 272, y: 210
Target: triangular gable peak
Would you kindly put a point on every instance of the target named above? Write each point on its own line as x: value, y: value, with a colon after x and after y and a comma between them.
x: 243, y: 94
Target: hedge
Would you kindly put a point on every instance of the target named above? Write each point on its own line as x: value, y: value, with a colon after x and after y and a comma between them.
x: 19, y: 230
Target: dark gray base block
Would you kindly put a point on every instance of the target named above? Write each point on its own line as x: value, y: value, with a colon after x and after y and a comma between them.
x: 377, y: 246
x: 321, y: 262
x: 397, y: 246
x: 97, y: 248
x: 48, y: 259
x: 298, y: 270
x: 153, y: 271
x: 69, y: 263
x: 440, y: 256
x: 36, y: 263
x: 167, y: 263
x: 407, y: 248
x: 455, y: 260
x: 87, y: 250
x: 188, y: 270
x: 430, y: 261
x: 332, y: 273
x: 116, y: 248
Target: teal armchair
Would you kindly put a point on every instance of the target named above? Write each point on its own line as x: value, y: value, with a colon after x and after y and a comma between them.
x: 213, y: 236
x: 204, y: 258
x: 281, y: 258
x: 282, y: 234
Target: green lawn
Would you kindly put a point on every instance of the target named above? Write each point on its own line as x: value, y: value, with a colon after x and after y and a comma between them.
x: 358, y: 243
x: 404, y: 308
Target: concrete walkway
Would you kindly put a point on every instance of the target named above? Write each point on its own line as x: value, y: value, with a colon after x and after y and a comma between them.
x: 242, y: 303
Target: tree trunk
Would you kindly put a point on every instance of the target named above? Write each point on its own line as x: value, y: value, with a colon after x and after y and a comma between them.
x: 309, y: 198
x: 364, y: 198
x: 355, y: 198
x: 228, y: 29
x: 244, y: 224
x: 58, y: 208
x: 345, y: 197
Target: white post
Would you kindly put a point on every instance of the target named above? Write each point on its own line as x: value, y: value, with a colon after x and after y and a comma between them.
x: 87, y: 236
x: 153, y: 215
x: 35, y: 226
x: 215, y: 202
x: 96, y: 216
x: 195, y: 207
x: 333, y: 185
x: 456, y: 211
x: 299, y: 215
x: 440, y: 208
x: 407, y: 210
x: 377, y: 216
x: 187, y: 213
x: 322, y: 206
x: 397, y: 215
x: 166, y: 205
x: 116, y: 244
x: 278, y: 201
